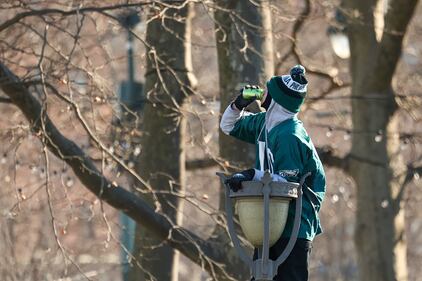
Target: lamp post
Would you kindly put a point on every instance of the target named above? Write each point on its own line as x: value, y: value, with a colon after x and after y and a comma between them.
x: 130, y: 96
x: 337, y: 33
x: 130, y: 91
x: 338, y: 37
x: 262, y: 207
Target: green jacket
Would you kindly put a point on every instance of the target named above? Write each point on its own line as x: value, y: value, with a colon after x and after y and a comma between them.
x: 294, y: 155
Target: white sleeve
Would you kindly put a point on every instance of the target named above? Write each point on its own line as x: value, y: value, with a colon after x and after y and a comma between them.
x: 259, y: 174
x: 229, y: 118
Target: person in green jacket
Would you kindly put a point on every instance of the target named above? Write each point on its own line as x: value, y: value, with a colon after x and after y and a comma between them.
x: 285, y: 149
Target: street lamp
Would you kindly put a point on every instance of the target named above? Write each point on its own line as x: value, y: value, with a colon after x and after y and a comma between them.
x: 131, y: 100
x: 338, y: 37
x: 262, y: 207
x: 130, y: 91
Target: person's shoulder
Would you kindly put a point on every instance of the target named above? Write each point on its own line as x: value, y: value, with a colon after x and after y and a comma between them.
x: 251, y: 117
x: 289, y: 136
x: 259, y: 118
x: 260, y: 115
x: 297, y: 125
x: 299, y: 130
x: 291, y: 128
x: 255, y: 115
x: 293, y: 131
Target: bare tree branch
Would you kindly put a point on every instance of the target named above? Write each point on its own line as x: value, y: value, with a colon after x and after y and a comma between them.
x: 296, y: 27
x: 411, y: 172
x: 201, y: 163
x: 5, y: 100
x: 205, y: 253
x: 335, y: 82
x: 330, y: 159
x: 390, y: 48
x: 43, y: 12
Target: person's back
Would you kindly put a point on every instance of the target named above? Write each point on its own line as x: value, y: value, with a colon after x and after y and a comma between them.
x: 283, y: 147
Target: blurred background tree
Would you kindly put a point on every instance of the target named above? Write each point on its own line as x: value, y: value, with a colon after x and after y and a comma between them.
x: 376, y: 163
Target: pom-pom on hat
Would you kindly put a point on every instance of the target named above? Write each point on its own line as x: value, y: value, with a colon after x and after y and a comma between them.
x: 289, y: 91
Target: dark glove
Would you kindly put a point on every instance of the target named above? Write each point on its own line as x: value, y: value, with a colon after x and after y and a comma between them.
x: 235, y: 181
x: 240, y: 102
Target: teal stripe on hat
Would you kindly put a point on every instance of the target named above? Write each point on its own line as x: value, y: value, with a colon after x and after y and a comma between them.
x: 284, y: 96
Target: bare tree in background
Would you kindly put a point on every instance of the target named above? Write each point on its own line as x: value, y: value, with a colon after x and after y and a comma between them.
x: 168, y: 80
x: 167, y: 83
x: 245, y: 56
x: 375, y: 160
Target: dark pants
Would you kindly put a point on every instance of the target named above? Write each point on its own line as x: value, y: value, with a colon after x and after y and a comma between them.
x: 295, y: 267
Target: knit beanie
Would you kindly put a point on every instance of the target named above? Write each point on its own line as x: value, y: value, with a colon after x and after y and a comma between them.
x: 289, y: 91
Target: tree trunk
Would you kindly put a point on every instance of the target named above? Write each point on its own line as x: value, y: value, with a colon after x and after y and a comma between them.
x: 379, y: 172
x: 162, y: 158
x: 376, y: 164
x: 245, y: 56
x: 218, y: 260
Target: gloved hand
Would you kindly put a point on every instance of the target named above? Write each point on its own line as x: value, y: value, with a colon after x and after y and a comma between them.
x: 240, y: 102
x: 235, y: 181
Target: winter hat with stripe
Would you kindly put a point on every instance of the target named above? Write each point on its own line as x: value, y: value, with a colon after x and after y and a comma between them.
x: 289, y: 91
